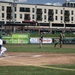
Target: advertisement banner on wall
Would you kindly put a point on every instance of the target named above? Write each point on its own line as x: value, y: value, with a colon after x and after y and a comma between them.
x: 17, y: 39
x: 45, y: 40
x: 69, y: 41
x: 65, y: 41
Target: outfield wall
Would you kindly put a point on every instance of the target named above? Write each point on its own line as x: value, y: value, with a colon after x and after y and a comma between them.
x: 26, y: 39
x: 17, y: 39
x: 37, y: 40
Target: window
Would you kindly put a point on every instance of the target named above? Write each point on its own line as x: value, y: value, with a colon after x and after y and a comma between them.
x: 56, y: 18
x: 32, y: 16
x: 15, y: 9
x: 27, y: 17
x: 44, y: 17
x: 22, y: 9
x: 56, y: 11
x: 61, y: 11
x: 71, y: 4
x: 71, y: 18
x: 9, y: 16
x: 74, y: 4
x: 33, y: 10
x: 44, y: 10
x: 39, y: 17
x: 2, y: 8
x: 20, y: 16
x: 61, y: 18
x: 71, y: 12
x: 9, y: 9
x: 50, y: 12
x: 15, y: 15
x: 2, y: 15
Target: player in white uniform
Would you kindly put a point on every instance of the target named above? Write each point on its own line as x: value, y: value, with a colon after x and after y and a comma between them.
x: 2, y: 49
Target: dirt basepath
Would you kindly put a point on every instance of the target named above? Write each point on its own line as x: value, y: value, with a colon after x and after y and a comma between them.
x: 35, y: 58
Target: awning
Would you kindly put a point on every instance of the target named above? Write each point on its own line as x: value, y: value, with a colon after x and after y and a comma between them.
x: 17, y: 24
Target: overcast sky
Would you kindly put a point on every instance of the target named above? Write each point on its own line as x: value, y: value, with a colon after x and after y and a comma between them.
x: 49, y: 2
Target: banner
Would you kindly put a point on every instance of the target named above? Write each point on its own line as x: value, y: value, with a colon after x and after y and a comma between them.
x: 17, y: 39
x: 36, y: 40
x: 65, y: 41
x: 69, y: 41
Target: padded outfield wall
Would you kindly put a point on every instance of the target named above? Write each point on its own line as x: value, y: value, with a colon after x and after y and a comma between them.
x: 26, y: 39
x: 17, y: 39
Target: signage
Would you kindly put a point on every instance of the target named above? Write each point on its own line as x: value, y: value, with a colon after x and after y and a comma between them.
x: 17, y: 39
x: 37, y: 40
x: 69, y: 41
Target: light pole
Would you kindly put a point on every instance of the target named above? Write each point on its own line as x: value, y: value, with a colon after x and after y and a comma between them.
x: 64, y: 20
x: 36, y: 13
x: 13, y: 13
x: 50, y: 26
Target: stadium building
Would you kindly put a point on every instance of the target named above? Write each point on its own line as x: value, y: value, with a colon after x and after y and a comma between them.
x: 16, y: 17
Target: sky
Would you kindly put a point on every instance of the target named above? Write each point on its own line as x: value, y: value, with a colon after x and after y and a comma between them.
x: 48, y: 2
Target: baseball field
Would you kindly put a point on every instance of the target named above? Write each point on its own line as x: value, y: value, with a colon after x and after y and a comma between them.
x: 30, y: 59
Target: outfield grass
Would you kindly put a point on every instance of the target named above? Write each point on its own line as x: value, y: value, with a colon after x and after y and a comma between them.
x: 36, y: 48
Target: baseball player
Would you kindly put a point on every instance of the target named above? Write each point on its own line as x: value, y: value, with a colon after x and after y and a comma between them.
x: 56, y: 41
x: 62, y: 36
x: 2, y: 49
x: 41, y: 39
x: 60, y: 40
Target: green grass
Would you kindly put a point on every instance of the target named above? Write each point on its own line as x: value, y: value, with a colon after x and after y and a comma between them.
x: 35, y: 70
x: 31, y: 70
x: 36, y: 48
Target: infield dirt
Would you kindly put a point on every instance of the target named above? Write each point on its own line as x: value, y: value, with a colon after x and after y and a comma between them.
x: 35, y: 58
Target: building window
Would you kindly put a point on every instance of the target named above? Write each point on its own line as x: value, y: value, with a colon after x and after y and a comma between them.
x: 15, y: 15
x: 71, y: 4
x: 2, y: 15
x: 61, y: 18
x: 61, y: 11
x: 74, y: 4
x: 27, y: 17
x: 22, y: 9
x: 56, y: 12
x: 71, y: 12
x: 44, y: 17
x: 71, y: 18
x: 32, y: 16
x: 56, y: 17
x: 33, y: 10
x: 2, y: 8
x: 15, y: 9
x: 20, y: 16
x: 8, y: 16
x: 44, y: 10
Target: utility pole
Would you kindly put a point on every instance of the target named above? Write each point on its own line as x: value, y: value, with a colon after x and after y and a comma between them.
x: 13, y: 13
x: 64, y: 20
